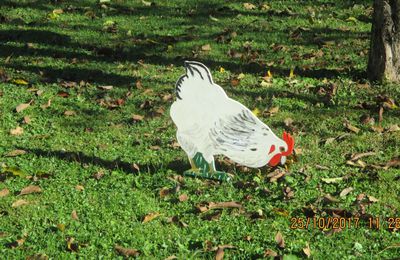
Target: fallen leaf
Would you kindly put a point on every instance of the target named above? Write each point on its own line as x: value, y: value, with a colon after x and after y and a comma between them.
x: 372, y: 198
x: 72, y: 246
x: 74, y: 215
x: 69, y: 113
x: 351, y: 127
x: 380, y: 114
x: 249, y: 6
x: 61, y: 227
x: 377, y: 129
x: 394, y: 162
x: 4, y: 192
x: 20, y: 82
x: 167, y: 97
x: 44, y: 106
x: 149, y: 217
x: 346, y: 191
x: 183, y: 197
x: 16, y: 152
x: 172, y: 257
x: 105, y: 87
x: 165, y: 192
x: 14, y: 171
x: 79, y: 187
x: 17, y: 131
x: 27, y: 120
x: 137, y: 118
x: 206, y: 47
x: 30, y: 189
x: 307, y: 250
x: 279, y: 240
x: 330, y: 198
x: 22, y: 107
x: 19, y: 203
x: 393, y: 128
x: 332, y: 180
x: 275, y: 175
x: 220, y: 251
x: 357, y: 156
x: 270, y: 253
x: 98, y: 175
x: 127, y: 252
x: 155, y: 147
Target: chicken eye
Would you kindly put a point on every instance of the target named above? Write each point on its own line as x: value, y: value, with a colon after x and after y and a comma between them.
x: 281, y: 149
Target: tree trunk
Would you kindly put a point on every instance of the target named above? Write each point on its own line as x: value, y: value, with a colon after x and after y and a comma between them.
x: 384, y: 56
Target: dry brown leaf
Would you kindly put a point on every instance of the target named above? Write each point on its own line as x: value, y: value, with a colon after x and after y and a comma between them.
x: 377, y: 129
x: 165, y: 192
x: 155, y: 147
x: 270, y: 253
x: 380, y: 114
x: 48, y: 104
x: 394, y: 162
x: 149, y: 217
x: 17, y: 131
x: 27, y: 120
x: 372, y: 198
x: 98, y: 175
x: 183, y: 197
x: 357, y: 156
x: 4, y: 192
x: 279, y: 240
x: 106, y: 87
x: 16, y: 152
x: 74, y: 215
x: 393, y: 128
x: 206, y: 47
x: 351, y: 127
x: 69, y: 113
x: 275, y: 175
x: 220, y: 251
x: 22, y: 107
x: 221, y: 205
x: 249, y: 6
x: 330, y: 198
x: 19, y: 203
x: 346, y: 191
x: 172, y: 257
x: 307, y: 250
x: 79, y: 187
x: 137, y: 118
x: 30, y: 189
x: 167, y: 97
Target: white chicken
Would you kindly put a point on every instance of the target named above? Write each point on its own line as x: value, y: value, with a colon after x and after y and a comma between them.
x: 210, y: 123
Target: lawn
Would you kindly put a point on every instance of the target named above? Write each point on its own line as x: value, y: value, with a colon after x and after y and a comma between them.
x: 90, y: 166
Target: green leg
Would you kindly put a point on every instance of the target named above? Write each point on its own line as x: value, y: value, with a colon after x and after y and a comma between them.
x: 201, y: 169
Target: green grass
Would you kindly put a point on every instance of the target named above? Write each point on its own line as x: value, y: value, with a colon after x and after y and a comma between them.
x: 325, y: 42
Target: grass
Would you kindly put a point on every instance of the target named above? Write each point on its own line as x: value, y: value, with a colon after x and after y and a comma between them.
x: 139, y: 48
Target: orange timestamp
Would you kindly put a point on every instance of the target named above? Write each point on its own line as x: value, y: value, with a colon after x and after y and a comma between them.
x: 341, y: 222
x: 324, y: 222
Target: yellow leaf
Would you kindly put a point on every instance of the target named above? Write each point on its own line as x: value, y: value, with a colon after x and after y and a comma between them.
x: 291, y: 74
x: 20, y: 82
x: 269, y: 74
x: 221, y: 70
x: 352, y: 19
x: 150, y: 217
x: 256, y: 111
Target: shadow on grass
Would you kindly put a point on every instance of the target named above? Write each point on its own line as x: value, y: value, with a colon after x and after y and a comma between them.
x: 178, y: 166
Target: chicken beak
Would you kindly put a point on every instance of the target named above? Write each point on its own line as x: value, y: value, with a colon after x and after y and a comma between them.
x: 283, y: 160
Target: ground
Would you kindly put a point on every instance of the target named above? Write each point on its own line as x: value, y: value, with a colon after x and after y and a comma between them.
x: 85, y: 94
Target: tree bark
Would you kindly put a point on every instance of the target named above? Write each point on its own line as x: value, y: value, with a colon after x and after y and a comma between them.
x: 384, y: 56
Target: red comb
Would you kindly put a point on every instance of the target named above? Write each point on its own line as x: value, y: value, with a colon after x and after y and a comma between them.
x: 290, y: 143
